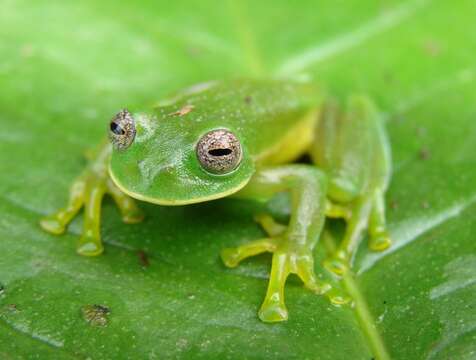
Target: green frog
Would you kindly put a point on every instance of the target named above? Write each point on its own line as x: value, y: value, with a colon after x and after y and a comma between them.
x: 241, y: 138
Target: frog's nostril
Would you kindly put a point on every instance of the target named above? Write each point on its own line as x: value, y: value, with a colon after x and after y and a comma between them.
x: 220, y: 152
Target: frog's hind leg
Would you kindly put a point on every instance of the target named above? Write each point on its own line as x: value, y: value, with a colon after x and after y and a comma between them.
x: 379, y: 237
x: 356, y: 224
x: 367, y: 212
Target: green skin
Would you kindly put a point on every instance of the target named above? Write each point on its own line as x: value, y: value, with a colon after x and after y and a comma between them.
x: 276, y: 122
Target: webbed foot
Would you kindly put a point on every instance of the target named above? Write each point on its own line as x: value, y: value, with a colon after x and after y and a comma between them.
x: 287, y: 259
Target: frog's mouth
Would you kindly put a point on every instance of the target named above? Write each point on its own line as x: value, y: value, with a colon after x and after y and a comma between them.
x: 176, y: 201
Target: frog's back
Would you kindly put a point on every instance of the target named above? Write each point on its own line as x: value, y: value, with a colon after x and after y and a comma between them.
x: 272, y: 118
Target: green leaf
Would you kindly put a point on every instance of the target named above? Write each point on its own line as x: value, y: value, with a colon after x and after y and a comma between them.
x: 66, y: 66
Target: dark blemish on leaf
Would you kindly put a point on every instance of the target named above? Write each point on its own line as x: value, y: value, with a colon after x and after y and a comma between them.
x: 394, y: 204
x: 424, y: 154
x: 183, y: 111
x: 12, y: 308
x: 2, y: 290
x: 143, y: 258
x: 95, y: 315
x: 385, y: 302
x: 248, y: 99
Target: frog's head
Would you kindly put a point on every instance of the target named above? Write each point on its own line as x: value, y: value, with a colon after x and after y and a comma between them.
x: 170, y: 159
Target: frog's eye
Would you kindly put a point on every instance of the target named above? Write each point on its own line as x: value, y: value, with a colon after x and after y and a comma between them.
x: 122, y: 130
x: 219, y: 151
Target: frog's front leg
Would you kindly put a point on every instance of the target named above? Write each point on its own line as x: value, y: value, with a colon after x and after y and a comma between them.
x: 293, y: 248
x: 88, y: 191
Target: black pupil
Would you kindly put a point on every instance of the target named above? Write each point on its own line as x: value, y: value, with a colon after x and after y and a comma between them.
x: 117, y: 129
x: 219, y: 152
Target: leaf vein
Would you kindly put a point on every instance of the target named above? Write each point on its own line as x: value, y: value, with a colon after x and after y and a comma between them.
x: 351, y: 39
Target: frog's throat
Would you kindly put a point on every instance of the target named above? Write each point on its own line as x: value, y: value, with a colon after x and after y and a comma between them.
x: 177, y: 202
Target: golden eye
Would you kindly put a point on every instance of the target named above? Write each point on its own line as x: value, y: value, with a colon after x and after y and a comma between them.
x: 122, y: 130
x: 219, y: 151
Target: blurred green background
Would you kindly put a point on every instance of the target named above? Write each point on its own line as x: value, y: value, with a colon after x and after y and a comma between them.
x: 67, y: 66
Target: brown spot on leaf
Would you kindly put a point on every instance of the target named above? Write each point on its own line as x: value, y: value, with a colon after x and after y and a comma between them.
x: 394, y: 204
x: 424, y: 154
x: 12, y: 308
x: 143, y: 258
x: 248, y: 99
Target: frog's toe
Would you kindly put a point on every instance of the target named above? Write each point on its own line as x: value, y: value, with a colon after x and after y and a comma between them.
x: 338, y: 299
x: 269, y: 225
x: 230, y: 257
x: 380, y: 242
x: 337, y: 264
x: 273, y: 311
x: 133, y: 217
x: 52, y: 225
x: 89, y: 247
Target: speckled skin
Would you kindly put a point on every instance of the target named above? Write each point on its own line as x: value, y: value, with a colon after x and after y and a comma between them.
x: 216, y: 140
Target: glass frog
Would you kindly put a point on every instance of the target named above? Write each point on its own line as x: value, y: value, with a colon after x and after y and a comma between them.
x: 240, y: 138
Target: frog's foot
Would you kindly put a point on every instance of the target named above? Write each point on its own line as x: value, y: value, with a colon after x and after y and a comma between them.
x: 56, y: 223
x: 88, y: 192
x: 380, y: 241
x: 287, y: 259
x: 339, y: 263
